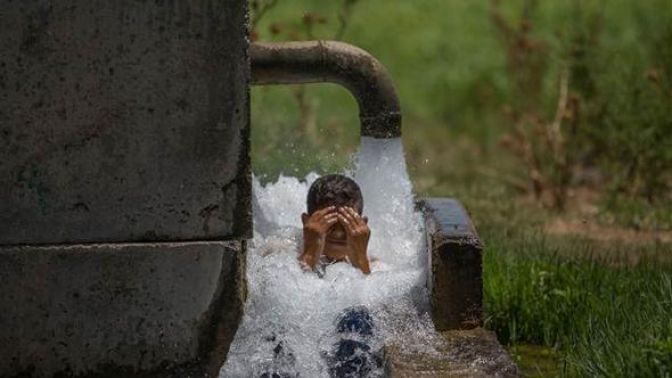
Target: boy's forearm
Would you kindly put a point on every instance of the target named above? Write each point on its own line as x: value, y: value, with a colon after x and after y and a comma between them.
x: 308, y: 259
x: 311, y: 251
x: 362, y: 263
x: 364, y: 267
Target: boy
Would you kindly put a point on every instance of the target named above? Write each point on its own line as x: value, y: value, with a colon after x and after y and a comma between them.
x: 334, y: 228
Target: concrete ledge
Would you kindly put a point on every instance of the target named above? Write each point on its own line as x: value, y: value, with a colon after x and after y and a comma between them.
x: 455, y: 276
x: 118, y: 309
x: 465, y: 353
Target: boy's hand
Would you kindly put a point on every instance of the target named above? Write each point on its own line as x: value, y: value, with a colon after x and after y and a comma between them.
x: 319, y: 222
x: 358, y: 233
x: 315, y: 227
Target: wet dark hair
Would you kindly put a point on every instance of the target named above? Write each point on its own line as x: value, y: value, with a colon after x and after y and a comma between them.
x: 334, y: 190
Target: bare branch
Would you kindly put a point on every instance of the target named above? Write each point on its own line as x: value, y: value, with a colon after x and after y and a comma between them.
x: 344, y: 17
x: 562, y: 102
x: 259, y: 9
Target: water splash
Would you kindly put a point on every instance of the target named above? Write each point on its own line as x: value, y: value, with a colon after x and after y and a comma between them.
x: 296, y: 309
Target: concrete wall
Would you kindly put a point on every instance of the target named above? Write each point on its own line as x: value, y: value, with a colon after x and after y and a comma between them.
x: 123, y: 121
x: 116, y: 309
x: 124, y: 145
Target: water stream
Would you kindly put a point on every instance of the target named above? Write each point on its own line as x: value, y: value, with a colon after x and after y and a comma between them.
x: 289, y: 320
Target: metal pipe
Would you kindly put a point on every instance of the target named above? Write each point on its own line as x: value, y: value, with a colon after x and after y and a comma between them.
x: 334, y: 62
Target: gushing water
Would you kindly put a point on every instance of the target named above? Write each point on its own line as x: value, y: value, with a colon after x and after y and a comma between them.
x: 288, y: 325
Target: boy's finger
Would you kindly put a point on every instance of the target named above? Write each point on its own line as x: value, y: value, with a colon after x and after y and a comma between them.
x: 322, y: 212
x: 326, y: 210
x: 346, y: 217
x: 329, y: 220
x: 353, y: 216
x: 346, y: 212
x: 360, y: 219
x: 342, y: 218
x: 347, y: 224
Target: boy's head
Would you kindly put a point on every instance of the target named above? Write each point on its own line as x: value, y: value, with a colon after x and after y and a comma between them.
x: 338, y: 191
x: 334, y: 190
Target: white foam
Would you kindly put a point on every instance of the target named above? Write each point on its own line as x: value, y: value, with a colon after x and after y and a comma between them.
x: 299, y: 308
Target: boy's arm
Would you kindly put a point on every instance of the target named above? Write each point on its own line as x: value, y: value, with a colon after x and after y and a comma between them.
x: 358, y: 232
x: 361, y: 261
x: 315, y: 229
x: 312, y: 249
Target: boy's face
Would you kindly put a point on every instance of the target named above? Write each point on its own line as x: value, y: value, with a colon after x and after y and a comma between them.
x: 336, y: 235
x: 335, y: 241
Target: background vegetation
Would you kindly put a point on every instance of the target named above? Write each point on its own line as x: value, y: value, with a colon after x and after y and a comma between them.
x: 551, y: 121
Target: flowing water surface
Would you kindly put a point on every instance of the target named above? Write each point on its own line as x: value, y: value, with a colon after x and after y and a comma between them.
x: 297, y: 310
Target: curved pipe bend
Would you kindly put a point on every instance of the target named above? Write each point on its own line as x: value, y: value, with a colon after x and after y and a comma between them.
x: 335, y: 62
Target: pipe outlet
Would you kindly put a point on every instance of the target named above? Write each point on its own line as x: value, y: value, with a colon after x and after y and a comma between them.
x: 334, y: 62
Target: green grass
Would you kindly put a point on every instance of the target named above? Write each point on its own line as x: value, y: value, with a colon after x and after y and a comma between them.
x: 535, y: 360
x: 603, y: 319
x: 568, y: 306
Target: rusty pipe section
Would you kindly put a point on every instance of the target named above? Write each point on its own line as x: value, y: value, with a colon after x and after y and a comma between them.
x: 334, y: 62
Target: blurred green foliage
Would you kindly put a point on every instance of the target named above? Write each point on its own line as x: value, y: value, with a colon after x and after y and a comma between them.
x: 457, y: 80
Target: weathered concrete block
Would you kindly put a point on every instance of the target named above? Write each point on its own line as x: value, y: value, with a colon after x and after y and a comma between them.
x: 123, y: 121
x: 118, y: 309
x: 461, y: 353
x: 455, y: 277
